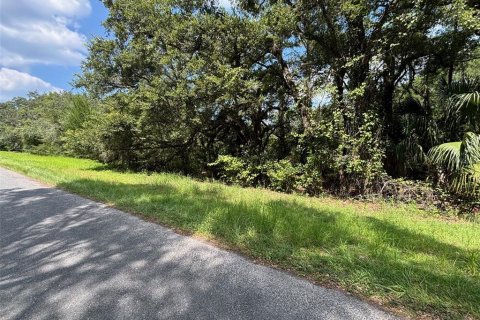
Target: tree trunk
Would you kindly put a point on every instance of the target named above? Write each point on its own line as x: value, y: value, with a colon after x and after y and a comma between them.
x: 301, y: 103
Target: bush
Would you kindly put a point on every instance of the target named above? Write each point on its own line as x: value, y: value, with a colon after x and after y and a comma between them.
x: 10, y: 139
x: 234, y: 170
x: 341, y: 161
x: 82, y: 136
x: 282, y: 175
x: 277, y: 175
x: 84, y: 143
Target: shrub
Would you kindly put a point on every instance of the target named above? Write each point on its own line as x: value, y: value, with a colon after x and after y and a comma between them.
x: 282, y: 175
x: 234, y: 170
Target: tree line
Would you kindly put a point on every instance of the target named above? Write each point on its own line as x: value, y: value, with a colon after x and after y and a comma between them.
x: 310, y: 96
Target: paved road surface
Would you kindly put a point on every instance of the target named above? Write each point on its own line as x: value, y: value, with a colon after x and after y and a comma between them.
x: 66, y: 257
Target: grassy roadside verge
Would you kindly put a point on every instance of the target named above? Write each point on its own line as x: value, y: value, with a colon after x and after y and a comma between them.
x: 395, y: 255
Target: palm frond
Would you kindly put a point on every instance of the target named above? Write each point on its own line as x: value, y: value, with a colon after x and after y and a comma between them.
x: 465, y: 85
x: 446, y: 155
x: 470, y: 150
x: 461, y: 159
x: 466, y: 181
x: 462, y: 101
x: 470, y: 98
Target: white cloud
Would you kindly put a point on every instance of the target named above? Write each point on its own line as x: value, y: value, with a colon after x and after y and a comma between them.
x: 41, y: 33
x: 38, y: 33
x: 14, y: 83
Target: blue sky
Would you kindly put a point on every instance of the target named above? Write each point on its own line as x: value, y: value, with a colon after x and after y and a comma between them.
x: 42, y: 44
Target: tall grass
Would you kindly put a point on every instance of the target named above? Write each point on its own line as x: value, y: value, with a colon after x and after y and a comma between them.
x: 396, y: 255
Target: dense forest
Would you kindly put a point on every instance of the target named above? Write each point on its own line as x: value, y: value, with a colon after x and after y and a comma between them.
x: 348, y: 97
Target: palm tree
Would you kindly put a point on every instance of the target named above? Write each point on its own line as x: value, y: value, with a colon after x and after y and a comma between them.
x: 459, y: 164
x: 419, y: 134
x: 459, y: 161
x: 462, y: 102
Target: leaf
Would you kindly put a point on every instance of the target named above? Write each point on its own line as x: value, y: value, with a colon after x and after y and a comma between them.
x: 446, y: 155
x: 462, y: 160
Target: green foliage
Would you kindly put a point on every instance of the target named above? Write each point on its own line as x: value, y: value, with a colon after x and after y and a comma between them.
x: 277, y: 175
x: 233, y: 170
x: 117, y: 134
x: 82, y: 125
x: 463, y: 103
x: 33, y: 124
x: 10, y: 139
x: 458, y: 162
x: 282, y: 175
x: 84, y: 141
x: 419, y: 132
x: 342, y: 162
x: 78, y: 113
x: 313, y: 97
x: 53, y: 123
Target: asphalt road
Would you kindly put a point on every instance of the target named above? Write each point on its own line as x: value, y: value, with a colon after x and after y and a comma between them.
x: 66, y: 257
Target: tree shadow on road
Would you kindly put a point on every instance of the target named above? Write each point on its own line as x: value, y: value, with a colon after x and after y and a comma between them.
x: 63, y: 256
x: 364, y: 253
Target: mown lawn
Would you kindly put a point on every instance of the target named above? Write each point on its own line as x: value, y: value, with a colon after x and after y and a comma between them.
x: 396, y: 255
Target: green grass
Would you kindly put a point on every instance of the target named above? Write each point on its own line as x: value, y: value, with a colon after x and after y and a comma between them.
x: 396, y: 255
